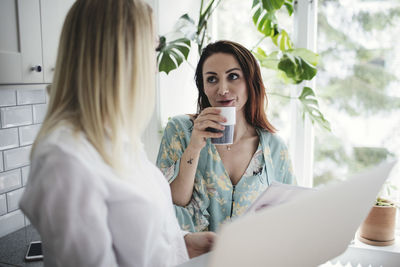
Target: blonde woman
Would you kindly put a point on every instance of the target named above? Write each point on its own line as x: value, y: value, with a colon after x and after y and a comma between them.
x: 92, y: 194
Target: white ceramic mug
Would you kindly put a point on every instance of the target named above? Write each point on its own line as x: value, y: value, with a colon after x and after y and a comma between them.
x: 230, y: 114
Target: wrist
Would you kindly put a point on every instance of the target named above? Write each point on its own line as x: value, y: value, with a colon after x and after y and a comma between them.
x: 184, y: 233
x: 194, y: 149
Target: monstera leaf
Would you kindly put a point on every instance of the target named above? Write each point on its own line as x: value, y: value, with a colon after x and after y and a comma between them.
x: 264, y: 20
x: 282, y: 40
x: 311, y: 107
x: 289, y: 6
x: 296, y: 68
x: 271, y: 5
x: 267, y: 61
x: 187, y: 27
x: 305, y: 54
x: 295, y: 65
x: 172, y: 54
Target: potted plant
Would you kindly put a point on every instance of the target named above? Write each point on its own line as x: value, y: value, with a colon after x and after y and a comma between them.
x: 378, y: 229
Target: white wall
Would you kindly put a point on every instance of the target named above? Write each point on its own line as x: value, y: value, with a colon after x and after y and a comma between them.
x: 176, y: 92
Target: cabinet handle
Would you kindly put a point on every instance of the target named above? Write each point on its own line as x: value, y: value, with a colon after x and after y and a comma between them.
x: 37, y: 68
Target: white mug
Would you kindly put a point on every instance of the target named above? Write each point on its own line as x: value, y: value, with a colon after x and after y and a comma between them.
x: 230, y: 114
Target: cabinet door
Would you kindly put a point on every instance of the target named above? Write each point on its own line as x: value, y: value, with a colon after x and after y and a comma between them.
x: 53, y: 15
x: 20, y: 42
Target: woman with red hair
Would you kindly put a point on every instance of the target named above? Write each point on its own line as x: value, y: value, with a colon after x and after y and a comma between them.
x: 211, y: 184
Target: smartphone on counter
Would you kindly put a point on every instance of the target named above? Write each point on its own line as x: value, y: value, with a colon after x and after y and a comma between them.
x: 34, y: 252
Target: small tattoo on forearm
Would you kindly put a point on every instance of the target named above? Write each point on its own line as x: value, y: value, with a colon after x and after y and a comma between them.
x: 190, y: 161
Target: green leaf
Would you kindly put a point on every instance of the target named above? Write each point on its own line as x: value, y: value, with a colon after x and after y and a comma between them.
x: 204, y: 15
x: 307, y: 55
x: 267, y: 61
x: 172, y: 54
x: 296, y: 68
x: 272, y: 5
x: 186, y: 26
x: 291, y: 67
x: 282, y: 40
x: 264, y: 20
x: 311, y: 108
x: 289, y: 6
x: 261, y: 52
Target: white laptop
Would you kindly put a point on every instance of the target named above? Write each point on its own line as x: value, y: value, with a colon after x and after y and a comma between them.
x: 307, y: 231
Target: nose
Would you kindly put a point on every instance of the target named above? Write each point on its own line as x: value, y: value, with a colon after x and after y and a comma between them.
x: 223, y: 88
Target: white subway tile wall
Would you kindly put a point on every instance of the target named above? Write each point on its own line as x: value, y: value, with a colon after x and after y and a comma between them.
x: 3, y: 204
x: 27, y: 134
x: 25, y: 97
x: 13, y: 198
x: 22, y: 110
x: 25, y: 174
x: 9, y: 138
x: 10, y: 180
x: 39, y: 111
x: 16, y: 116
x: 11, y: 222
x: 1, y: 161
x: 17, y: 157
x: 8, y: 98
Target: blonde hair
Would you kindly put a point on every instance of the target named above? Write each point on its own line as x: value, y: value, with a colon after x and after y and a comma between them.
x: 104, y: 77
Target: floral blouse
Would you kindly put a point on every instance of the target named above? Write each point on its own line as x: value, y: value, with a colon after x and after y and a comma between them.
x: 215, y: 199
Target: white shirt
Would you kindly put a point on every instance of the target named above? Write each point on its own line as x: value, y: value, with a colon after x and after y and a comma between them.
x: 87, y: 216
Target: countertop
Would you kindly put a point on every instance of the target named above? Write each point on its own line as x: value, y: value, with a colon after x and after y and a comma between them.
x: 13, y: 248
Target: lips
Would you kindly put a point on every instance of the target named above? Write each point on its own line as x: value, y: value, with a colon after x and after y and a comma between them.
x: 226, y: 102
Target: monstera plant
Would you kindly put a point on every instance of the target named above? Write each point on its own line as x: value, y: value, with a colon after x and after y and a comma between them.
x: 292, y: 65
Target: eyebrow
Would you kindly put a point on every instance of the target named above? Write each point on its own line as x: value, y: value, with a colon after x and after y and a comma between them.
x: 211, y: 72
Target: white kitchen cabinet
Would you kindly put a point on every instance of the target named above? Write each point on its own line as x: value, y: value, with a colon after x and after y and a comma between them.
x: 20, y: 42
x: 53, y: 15
x: 29, y: 33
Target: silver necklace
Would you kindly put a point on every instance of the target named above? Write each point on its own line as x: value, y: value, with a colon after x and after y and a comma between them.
x: 228, y: 147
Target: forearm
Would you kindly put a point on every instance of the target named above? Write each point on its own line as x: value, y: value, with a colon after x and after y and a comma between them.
x: 182, y: 186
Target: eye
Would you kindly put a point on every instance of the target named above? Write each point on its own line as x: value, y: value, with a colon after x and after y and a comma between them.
x: 211, y: 79
x: 233, y: 76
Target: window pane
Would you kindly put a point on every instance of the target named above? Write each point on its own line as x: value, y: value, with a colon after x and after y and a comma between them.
x: 358, y: 82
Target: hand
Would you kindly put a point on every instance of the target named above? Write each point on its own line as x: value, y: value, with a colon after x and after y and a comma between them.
x: 208, y: 118
x: 199, y: 243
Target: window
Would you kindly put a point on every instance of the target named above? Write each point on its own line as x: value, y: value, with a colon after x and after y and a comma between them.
x: 357, y: 82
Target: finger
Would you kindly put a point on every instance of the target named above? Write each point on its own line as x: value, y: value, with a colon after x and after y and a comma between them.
x: 211, y: 236
x: 207, y: 134
x: 211, y: 117
x: 210, y: 110
x: 208, y: 124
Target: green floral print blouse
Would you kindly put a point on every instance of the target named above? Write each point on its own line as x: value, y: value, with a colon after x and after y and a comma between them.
x: 215, y: 199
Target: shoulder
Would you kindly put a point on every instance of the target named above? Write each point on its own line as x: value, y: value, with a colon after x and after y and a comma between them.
x: 56, y: 165
x: 180, y: 122
x: 273, y: 144
x: 271, y: 138
x: 63, y: 137
x: 66, y: 147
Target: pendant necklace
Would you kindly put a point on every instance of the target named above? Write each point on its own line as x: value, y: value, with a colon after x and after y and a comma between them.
x: 228, y: 147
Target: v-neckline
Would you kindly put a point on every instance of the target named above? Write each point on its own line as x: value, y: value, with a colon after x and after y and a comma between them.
x: 248, y: 166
